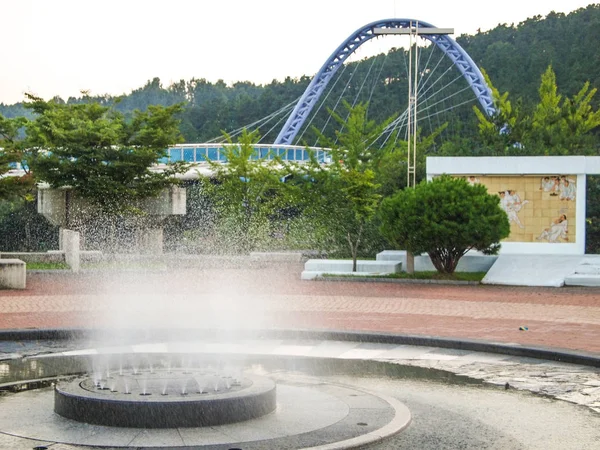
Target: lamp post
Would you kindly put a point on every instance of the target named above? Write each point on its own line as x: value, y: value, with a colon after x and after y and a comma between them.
x: 413, y: 31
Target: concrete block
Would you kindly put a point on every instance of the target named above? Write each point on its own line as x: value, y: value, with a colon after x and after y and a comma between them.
x: 579, y: 279
x: 150, y: 241
x: 91, y: 255
x: 345, y: 266
x: 288, y: 257
x: 588, y: 269
x: 51, y: 204
x: 170, y: 201
x: 13, y: 274
x: 476, y: 263
x: 472, y: 262
x: 532, y: 270
x: 312, y: 274
x: 391, y: 255
x: 70, y: 242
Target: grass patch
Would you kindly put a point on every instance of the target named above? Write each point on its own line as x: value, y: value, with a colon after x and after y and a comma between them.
x: 125, y: 265
x: 456, y: 276
x: 47, y: 266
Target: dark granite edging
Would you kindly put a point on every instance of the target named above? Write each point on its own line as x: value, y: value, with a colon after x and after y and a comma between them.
x: 512, y: 349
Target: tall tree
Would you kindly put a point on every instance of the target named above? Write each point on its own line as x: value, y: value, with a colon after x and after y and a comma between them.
x: 99, y: 154
x: 344, y: 193
x: 11, y: 156
x: 557, y: 125
x: 245, y: 194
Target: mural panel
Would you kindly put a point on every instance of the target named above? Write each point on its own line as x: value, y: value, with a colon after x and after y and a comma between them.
x: 539, y: 208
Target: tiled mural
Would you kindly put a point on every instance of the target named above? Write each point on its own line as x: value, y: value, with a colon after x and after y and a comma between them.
x: 539, y: 208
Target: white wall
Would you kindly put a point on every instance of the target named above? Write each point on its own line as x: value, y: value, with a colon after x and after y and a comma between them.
x: 528, y: 165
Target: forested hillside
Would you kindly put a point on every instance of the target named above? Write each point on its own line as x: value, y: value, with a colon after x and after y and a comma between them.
x: 514, y: 56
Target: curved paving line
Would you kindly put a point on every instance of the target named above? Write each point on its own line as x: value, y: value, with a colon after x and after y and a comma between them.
x: 511, y: 349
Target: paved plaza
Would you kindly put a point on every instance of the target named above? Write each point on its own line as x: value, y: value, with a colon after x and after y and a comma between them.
x: 566, y: 318
x: 238, y: 300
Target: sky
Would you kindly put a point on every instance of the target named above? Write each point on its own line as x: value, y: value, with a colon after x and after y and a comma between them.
x: 61, y: 47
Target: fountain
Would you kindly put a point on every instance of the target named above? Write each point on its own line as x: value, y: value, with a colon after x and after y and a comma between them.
x: 165, y: 399
x: 121, y: 402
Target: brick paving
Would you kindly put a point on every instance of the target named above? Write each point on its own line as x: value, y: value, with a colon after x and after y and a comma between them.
x: 556, y: 317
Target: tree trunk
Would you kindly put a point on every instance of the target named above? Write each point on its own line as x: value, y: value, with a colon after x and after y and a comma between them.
x: 354, y: 247
x: 445, y: 262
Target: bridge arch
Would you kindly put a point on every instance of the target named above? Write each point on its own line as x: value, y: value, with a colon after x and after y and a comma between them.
x: 449, y: 46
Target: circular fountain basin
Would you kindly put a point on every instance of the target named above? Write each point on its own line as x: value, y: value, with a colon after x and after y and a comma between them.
x: 165, y: 399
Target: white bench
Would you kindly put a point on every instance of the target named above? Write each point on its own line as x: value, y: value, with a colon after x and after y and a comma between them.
x: 316, y: 267
x: 276, y: 257
x: 13, y: 274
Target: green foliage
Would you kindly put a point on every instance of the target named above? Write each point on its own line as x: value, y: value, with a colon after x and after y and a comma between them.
x: 11, y: 152
x: 23, y: 229
x: 344, y: 194
x: 557, y: 125
x: 98, y: 153
x: 515, y: 55
x: 246, y: 194
x: 503, y: 132
x: 563, y: 125
x: 47, y: 266
x: 445, y: 218
x: 592, y: 229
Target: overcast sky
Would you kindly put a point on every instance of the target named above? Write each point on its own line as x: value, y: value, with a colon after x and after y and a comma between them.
x: 60, y: 47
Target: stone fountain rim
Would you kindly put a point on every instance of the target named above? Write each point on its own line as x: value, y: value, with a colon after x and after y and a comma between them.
x: 160, y: 335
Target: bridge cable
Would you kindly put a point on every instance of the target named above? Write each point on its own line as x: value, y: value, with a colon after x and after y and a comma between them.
x: 264, y: 120
x: 321, y: 103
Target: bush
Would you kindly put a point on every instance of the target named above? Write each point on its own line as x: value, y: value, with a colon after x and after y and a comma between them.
x: 445, y: 218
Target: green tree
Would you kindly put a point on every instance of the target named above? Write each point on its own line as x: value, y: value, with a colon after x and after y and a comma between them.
x: 390, y: 162
x: 563, y: 125
x: 504, y: 131
x: 444, y: 218
x: 23, y: 229
x: 343, y: 193
x: 11, y: 153
x: 99, y: 154
x: 557, y: 125
x: 246, y: 193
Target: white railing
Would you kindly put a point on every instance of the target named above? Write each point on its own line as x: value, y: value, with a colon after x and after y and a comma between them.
x: 200, y: 153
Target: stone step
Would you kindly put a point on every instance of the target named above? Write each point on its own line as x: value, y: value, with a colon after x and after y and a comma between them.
x: 580, y: 279
x: 587, y: 269
x: 532, y: 270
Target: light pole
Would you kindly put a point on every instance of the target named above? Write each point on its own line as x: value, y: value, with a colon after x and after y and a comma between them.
x: 413, y: 31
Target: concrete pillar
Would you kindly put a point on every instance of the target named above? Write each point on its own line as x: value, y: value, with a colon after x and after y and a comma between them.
x: 70, y: 244
x: 150, y: 241
x: 13, y: 274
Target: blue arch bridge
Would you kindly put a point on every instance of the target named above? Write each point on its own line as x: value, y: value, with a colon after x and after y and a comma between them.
x: 283, y: 147
x: 198, y: 154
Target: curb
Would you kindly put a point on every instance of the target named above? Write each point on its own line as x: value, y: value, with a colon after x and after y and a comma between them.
x: 396, y: 280
x: 537, y: 352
